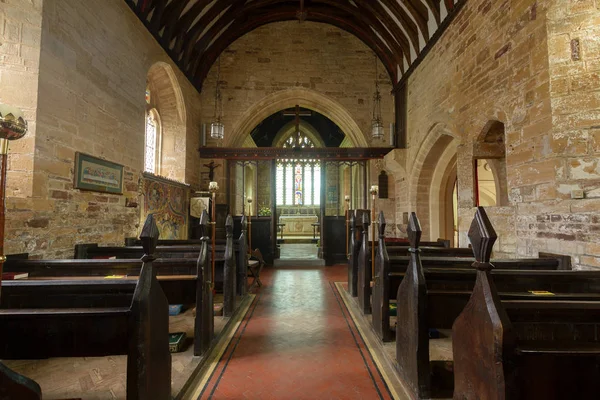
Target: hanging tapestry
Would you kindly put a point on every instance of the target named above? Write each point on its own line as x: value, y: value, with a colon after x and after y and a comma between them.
x: 168, y: 201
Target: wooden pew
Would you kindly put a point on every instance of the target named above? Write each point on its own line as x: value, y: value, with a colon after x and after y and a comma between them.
x: 240, y: 246
x: 390, y: 270
x: 184, y: 281
x: 423, y: 305
x: 225, y: 274
x: 397, y: 254
x: 139, y: 329
x: 522, y: 350
x: 395, y: 246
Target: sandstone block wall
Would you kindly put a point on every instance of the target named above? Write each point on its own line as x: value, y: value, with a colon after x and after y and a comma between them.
x: 512, y: 61
x: 20, y: 37
x: 95, y: 59
x: 287, y: 55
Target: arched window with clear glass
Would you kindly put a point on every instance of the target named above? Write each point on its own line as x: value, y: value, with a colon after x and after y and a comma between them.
x: 153, y: 138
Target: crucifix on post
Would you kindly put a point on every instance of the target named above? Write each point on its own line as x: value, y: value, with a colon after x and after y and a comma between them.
x: 211, y: 170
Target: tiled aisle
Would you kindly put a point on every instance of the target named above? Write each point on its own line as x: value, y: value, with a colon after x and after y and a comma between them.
x: 299, y: 251
x: 297, y: 342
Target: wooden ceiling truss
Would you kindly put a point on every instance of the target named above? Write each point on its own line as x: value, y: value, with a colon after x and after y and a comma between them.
x: 195, y: 32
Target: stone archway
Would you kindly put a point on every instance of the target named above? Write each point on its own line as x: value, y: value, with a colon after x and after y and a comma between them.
x: 290, y: 98
x: 429, y: 179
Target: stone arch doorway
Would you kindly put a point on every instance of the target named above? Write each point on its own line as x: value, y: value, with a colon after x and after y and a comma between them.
x: 433, y: 185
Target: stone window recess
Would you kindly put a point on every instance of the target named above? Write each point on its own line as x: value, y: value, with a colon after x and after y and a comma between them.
x: 152, y: 142
x: 489, y: 166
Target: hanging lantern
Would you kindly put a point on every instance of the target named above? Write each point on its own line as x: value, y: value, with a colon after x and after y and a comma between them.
x: 217, y: 129
x: 377, y: 131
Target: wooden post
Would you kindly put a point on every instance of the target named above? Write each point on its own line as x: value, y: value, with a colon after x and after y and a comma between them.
x: 412, y: 343
x: 347, y: 200
x: 204, y: 323
x: 322, y: 238
x: 491, y: 337
x: 229, y: 270
x: 213, y: 187
x: 149, y: 327
x: 3, y: 166
x: 249, y: 225
x: 374, y: 190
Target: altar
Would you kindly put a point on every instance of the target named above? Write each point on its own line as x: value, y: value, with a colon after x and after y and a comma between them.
x: 298, y: 224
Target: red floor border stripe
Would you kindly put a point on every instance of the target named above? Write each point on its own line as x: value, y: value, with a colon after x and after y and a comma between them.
x: 226, y: 357
x: 378, y: 381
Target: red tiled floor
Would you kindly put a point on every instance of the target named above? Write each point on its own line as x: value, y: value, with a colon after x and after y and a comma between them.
x: 297, y: 342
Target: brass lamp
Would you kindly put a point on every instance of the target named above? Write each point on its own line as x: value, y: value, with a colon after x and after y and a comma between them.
x: 374, y: 191
x: 249, y: 200
x: 12, y: 127
x: 347, y: 200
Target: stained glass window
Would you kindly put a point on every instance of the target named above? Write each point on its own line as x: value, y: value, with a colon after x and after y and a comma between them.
x: 298, y: 181
x: 152, y: 142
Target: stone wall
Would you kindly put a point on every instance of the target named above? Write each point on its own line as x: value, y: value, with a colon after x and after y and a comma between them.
x: 20, y: 37
x: 555, y: 221
x: 95, y: 59
x: 313, y: 62
x: 511, y: 61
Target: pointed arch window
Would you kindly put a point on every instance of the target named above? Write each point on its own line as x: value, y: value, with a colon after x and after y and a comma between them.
x: 298, y: 181
x: 152, y: 142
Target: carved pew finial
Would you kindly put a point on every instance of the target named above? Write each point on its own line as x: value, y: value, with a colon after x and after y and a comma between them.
x: 365, y: 273
x: 148, y: 341
x: 482, y: 236
x: 241, y: 281
x: 229, y: 226
x: 149, y: 238
x: 353, y: 256
x: 414, y: 231
x: 204, y: 225
x: 412, y: 342
x: 244, y: 222
x: 482, y: 328
x: 382, y: 224
x: 229, y: 270
x: 204, y: 319
x: 366, y: 220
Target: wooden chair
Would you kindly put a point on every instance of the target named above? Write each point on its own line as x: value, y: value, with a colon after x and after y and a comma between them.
x: 255, y: 265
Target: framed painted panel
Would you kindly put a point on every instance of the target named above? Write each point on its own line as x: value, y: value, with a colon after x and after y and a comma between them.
x: 99, y: 175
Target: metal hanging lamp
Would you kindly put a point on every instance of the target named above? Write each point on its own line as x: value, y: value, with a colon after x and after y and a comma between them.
x: 377, y: 122
x: 217, y: 129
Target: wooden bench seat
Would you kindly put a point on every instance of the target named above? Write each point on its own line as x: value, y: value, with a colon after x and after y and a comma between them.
x: 523, y: 349
x: 56, y: 278
x: 137, y: 327
x: 434, y: 298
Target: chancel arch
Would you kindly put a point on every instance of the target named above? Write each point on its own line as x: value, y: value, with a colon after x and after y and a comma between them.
x: 289, y: 98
